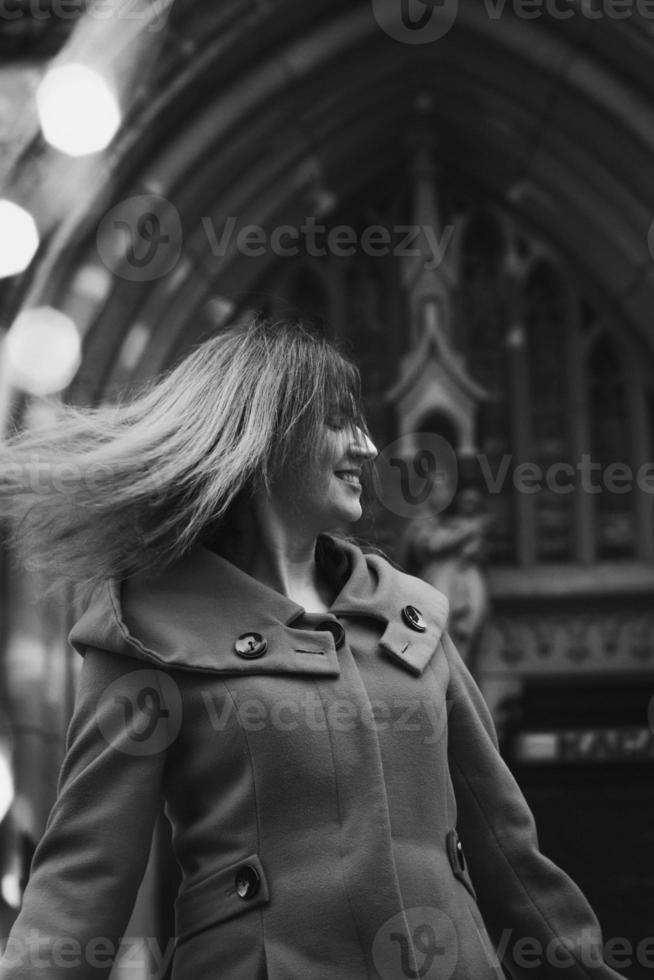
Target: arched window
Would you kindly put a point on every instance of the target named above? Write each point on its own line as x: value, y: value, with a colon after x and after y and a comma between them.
x: 483, y: 314
x: 547, y: 325
x: 570, y: 415
x: 611, y: 450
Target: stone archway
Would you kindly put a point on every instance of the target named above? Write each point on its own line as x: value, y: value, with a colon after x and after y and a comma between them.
x: 246, y: 114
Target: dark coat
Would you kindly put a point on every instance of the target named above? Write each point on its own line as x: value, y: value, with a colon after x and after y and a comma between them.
x: 318, y: 794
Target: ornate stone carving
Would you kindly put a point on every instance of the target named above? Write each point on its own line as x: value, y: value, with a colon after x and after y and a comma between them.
x: 555, y: 641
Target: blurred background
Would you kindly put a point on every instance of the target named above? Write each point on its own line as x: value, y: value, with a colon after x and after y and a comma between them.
x: 462, y: 195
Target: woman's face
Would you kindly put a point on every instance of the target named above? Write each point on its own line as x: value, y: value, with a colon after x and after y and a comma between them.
x: 337, y: 483
x: 330, y: 492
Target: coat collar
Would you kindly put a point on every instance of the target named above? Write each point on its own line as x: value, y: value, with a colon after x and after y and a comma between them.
x: 190, y: 615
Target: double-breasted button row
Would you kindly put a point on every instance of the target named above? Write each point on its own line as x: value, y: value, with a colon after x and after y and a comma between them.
x: 253, y: 645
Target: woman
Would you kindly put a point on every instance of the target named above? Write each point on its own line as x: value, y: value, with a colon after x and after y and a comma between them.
x: 295, y: 702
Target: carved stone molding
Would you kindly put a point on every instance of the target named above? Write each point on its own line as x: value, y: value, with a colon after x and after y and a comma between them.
x: 568, y: 642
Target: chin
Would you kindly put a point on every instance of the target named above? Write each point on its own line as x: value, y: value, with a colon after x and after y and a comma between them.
x: 351, y: 516
x: 338, y: 519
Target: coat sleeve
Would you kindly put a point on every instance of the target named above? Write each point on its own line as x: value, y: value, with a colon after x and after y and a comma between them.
x: 88, y: 865
x: 538, y: 919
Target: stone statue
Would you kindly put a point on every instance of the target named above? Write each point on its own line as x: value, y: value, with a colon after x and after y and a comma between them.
x: 448, y: 551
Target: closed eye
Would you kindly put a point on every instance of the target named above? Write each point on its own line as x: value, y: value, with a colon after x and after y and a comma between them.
x: 336, y: 423
x: 338, y: 418
x: 344, y: 416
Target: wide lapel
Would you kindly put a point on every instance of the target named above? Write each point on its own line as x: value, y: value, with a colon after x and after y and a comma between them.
x: 377, y: 589
x: 192, y: 615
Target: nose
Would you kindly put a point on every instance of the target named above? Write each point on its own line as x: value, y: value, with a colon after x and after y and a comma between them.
x: 364, y: 447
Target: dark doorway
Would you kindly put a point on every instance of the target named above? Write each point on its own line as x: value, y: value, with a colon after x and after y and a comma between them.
x: 590, y: 783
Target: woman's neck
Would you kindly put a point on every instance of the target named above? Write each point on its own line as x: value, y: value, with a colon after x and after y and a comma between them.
x: 282, y: 558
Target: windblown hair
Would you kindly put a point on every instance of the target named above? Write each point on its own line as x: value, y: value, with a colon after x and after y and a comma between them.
x: 130, y: 486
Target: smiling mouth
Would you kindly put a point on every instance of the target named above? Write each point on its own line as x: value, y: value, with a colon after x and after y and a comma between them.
x: 349, y: 476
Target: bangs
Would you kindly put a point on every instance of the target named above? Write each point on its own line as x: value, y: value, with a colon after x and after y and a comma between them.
x: 323, y: 387
x: 341, y: 395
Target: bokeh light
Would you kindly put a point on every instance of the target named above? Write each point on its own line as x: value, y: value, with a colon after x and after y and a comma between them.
x: 78, y: 111
x: 19, y: 239
x: 6, y: 783
x: 44, y: 350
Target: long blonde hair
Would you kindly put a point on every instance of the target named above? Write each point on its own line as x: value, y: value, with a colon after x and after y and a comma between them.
x: 130, y: 486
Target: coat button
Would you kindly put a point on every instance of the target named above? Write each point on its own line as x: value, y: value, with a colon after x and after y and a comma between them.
x: 458, y: 861
x: 247, y: 881
x: 251, y: 645
x: 459, y: 854
x: 413, y: 617
x: 337, y: 631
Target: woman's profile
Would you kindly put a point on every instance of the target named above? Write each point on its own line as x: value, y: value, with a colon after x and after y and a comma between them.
x: 338, y: 804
